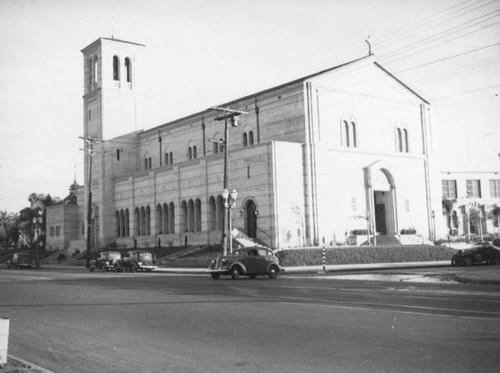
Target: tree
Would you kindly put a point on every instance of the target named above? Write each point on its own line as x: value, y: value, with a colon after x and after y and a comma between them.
x: 9, y: 232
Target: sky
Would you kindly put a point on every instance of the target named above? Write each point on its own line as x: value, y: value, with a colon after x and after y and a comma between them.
x: 204, y: 53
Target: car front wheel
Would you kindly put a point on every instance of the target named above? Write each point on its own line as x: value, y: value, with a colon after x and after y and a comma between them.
x: 455, y: 262
x: 273, y: 272
x: 215, y: 276
x: 235, y: 272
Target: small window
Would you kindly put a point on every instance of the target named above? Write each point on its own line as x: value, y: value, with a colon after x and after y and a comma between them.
x: 51, y: 231
x: 145, y: 163
x: 245, y: 139
x: 449, y: 188
x: 495, y: 188
x: 195, y: 152
x: 250, y: 138
x: 150, y: 163
x: 402, y: 140
x: 190, y: 153
x: 473, y: 188
x: 58, y: 231
x: 117, y: 154
x: 171, y: 158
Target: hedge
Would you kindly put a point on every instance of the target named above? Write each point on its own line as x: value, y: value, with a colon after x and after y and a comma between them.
x: 364, y: 255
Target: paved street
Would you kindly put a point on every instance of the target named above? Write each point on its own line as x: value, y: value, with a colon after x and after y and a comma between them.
x: 75, y: 321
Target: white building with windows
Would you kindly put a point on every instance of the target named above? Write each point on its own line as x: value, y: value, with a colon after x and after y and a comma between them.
x: 471, y: 203
x: 346, y: 149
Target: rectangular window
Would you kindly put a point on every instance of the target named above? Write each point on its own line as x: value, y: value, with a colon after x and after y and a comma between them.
x: 58, y: 230
x: 473, y: 188
x: 51, y: 231
x: 449, y: 188
x: 495, y: 188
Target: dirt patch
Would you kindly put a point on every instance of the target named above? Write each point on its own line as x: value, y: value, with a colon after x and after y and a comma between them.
x: 18, y: 366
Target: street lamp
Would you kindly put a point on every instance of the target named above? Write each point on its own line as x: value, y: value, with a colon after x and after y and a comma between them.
x: 230, y: 204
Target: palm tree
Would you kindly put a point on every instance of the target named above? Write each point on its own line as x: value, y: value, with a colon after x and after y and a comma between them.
x: 8, y: 225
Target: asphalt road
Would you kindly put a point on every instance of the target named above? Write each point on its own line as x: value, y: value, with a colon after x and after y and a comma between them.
x: 74, y: 321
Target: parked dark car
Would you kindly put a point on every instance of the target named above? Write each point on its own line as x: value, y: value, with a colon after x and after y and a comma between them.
x: 479, y: 253
x: 106, y: 261
x: 20, y: 260
x: 248, y: 261
x: 139, y: 260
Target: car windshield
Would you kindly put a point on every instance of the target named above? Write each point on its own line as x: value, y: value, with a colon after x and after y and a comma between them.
x: 113, y: 256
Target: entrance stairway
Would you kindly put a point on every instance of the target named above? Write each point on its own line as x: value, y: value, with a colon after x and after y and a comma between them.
x: 240, y: 239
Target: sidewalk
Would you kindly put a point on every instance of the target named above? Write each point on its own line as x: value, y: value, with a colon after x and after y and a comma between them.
x: 484, y: 274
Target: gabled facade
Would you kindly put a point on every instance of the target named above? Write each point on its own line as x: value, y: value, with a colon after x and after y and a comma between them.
x: 348, y: 148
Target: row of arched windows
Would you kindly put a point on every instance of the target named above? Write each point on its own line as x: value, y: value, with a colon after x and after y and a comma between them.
x: 402, y: 140
x: 190, y: 218
x: 122, y: 223
x: 117, y: 70
x: 142, y: 221
x: 248, y: 138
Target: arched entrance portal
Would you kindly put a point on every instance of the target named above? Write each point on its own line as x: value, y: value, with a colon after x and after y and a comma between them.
x: 381, y: 199
x: 251, y: 219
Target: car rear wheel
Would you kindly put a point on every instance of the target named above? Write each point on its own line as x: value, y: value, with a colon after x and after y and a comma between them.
x: 468, y: 261
x: 273, y: 272
x: 215, y: 276
x: 454, y: 263
x: 235, y: 272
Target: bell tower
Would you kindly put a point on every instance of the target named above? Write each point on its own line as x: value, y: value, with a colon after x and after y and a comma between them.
x: 112, y: 106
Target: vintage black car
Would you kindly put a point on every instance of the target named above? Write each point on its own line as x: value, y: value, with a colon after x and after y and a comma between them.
x: 482, y: 252
x: 20, y: 260
x: 137, y: 260
x: 106, y: 261
x: 248, y: 261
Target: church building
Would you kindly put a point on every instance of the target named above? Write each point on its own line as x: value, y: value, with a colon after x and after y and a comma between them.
x: 345, y: 151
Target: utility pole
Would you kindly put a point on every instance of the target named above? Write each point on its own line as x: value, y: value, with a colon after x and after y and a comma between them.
x: 91, y: 141
x: 233, y: 116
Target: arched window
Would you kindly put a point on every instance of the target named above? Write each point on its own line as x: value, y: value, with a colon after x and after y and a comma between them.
x: 220, y: 212
x: 128, y: 70
x: 400, y: 140
x: 405, y: 133
x: 95, y: 72
x: 212, y: 214
x: 197, y: 215
x: 142, y: 222
x: 245, y: 139
x: 190, y: 153
x: 127, y: 224
x: 184, y: 216
x: 91, y: 74
x: 164, y: 219
x: 122, y: 223
x: 159, y: 220
x: 191, y: 216
x: 250, y: 138
x: 346, y: 127
x: 117, y: 222
x: 353, y: 131
x: 150, y: 163
x: 171, y: 218
x: 148, y: 221
x: 195, y: 152
x: 145, y: 163
x: 137, y: 221
x: 116, y: 68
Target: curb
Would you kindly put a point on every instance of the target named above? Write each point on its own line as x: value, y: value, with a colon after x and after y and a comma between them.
x: 30, y: 366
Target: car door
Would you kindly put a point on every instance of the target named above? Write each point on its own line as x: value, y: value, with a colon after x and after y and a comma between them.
x: 251, y: 261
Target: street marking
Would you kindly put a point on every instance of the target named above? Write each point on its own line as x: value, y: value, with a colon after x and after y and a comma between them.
x: 367, y: 307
